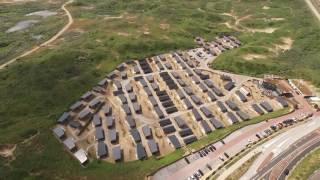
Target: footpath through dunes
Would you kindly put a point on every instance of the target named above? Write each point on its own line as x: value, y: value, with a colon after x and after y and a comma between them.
x: 48, y: 42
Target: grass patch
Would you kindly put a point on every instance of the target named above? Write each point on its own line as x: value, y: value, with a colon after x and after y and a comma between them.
x: 307, y: 166
x: 243, y: 169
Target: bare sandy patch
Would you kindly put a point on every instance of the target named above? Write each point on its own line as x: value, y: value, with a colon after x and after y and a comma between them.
x: 264, y: 30
x: 7, y: 150
x: 123, y: 34
x: 108, y: 17
x: 164, y: 26
x: 282, y: 47
x: 251, y: 57
x: 265, y: 7
x: 15, y: 1
x: 275, y: 50
x: 277, y: 19
x: 238, y: 27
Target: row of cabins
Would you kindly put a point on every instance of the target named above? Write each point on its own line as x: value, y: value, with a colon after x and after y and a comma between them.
x: 145, y: 66
x: 70, y: 145
x: 140, y: 150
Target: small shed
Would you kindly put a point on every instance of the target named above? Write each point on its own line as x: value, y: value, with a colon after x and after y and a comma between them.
x: 135, y: 135
x: 59, y: 132
x: 174, y: 141
x: 147, y: 131
x: 141, y: 152
x: 117, y: 153
x: 102, y: 150
x: 216, y: 123
x: 153, y: 146
x: 99, y: 134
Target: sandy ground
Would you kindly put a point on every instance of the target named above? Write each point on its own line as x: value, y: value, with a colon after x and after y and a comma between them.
x: 238, y: 27
x: 7, y: 150
x: 15, y: 1
x: 276, y: 49
x: 250, y: 57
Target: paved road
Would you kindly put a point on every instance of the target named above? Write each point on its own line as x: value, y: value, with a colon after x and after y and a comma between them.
x: 286, y: 160
x: 272, y: 148
x: 52, y: 39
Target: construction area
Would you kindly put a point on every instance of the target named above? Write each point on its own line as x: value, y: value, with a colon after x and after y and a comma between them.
x: 156, y: 105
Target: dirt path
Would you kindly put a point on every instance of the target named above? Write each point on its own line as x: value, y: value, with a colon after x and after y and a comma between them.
x: 52, y: 39
x: 313, y: 9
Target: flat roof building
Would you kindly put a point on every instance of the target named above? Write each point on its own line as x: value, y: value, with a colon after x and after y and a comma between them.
x: 99, y: 135
x: 109, y: 121
x: 232, y: 105
x: 113, y: 135
x: 189, y: 139
x: 59, y: 132
x: 153, y: 146
x: 211, y: 96
x: 282, y: 101
x: 102, y: 150
x: 217, y: 91
x: 256, y: 108
x: 205, y: 127
x: 216, y: 123
x: 241, y: 96
x: 153, y: 101
x: 181, y: 82
x: 66, y: 116
x: 132, y: 97
x: 232, y: 118
x: 174, y: 141
x: 169, y: 129
x: 196, y: 99
x: 69, y: 144
x: 106, y: 109
x: 126, y: 109
x: 122, y: 98
x: 141, y: 152
x: 244, y: 116
x: 180, y: 122
x: 180, y: 94
x: 265, y: 105
x: 87, y: 96
x: 147, y: 131
x: 85, y: 114
x: 159, y: 112
x: 131, y: 122
x: 187, y: 104
x: 77, y: 106
x: 164, y: 122
x: 137, y: 108
x: 117, y: 153
x: 81, y: 156
x: 75, y: 124
x: 206, y: 112
x: 188, y: 90
x: 221, y: 106
x: 135, y: 135
x: 96, y: 120
x: 209, y: 83
x: 196, y: 115
x: 129, y: 88
x: 96, y: 103
x: 203, y: 87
